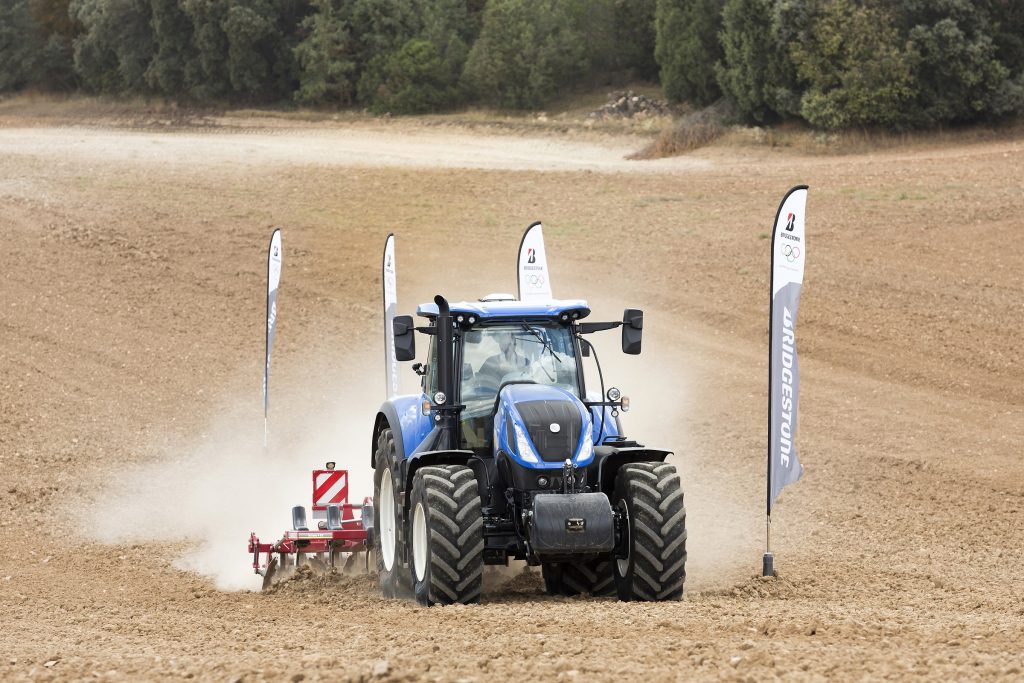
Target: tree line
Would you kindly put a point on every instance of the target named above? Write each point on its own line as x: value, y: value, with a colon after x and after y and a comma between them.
x: 834, y: 63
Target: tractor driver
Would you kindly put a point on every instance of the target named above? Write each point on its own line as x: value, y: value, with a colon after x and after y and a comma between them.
x: 507, y: 360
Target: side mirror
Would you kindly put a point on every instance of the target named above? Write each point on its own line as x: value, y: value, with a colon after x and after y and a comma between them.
x: 632, y: 330
x: 405, y: 337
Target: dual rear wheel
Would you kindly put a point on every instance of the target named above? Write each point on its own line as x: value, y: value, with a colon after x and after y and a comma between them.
x: 444, y: 533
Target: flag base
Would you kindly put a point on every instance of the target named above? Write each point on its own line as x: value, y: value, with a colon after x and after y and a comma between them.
x: 768, y: 565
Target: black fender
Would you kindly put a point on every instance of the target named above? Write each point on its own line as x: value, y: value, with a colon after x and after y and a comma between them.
x: 420, y: 459
x: 387, y: 416
x: 610, y: 459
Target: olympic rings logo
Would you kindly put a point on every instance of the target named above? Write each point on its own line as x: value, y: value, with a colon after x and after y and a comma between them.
x: 536, y: 280
x: 791, y: 252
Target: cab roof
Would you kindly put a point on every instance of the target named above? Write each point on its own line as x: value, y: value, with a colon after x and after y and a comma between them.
x: 493, y: 310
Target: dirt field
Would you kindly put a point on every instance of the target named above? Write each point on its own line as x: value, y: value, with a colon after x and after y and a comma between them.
x: 131, y: 427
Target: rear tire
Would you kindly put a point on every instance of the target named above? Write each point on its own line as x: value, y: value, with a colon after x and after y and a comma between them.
x: 446, y: 533
x: 594, y: 577
x: 388, y: 534
x: 651, y: 496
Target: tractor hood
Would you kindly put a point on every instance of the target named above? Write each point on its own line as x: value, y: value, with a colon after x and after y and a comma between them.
x: 542, y: 426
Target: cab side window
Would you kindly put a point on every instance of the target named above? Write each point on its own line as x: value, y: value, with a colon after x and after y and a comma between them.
x: 430, y: 379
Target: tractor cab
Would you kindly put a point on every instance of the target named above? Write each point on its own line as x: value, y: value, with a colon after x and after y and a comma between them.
x: 498, y: 343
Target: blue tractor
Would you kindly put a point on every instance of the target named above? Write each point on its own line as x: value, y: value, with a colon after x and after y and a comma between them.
x: 504, y: 454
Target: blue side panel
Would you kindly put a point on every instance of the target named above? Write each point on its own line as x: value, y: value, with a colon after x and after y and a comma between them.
x: 414, y: 424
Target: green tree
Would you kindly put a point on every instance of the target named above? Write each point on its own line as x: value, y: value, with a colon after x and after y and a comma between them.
x: 20, y: 41
x: 175, y: 51
x: 635, y: 36
x: 324, y: 56
x: 55, y: 66
x: 855, y: 70
x: 957, y: 68
x: 251, y: 33
x: 448, y: 25
x: 687, y: 49
x: 207, y: 75
x: 115, y: 47
x: 416, y: 80
x: 380, y: 28
x: 755, y: 64
x: 1008, y: 33
x: 527, y: 51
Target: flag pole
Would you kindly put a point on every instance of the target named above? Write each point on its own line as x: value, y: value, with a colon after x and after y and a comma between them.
x: 273, y: 279
x: 768, y: 560
x: 783, y: 465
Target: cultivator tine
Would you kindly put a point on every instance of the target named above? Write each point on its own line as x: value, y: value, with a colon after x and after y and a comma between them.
x: 269, y: 572
x: 317, y: 564
x: 350, y: 564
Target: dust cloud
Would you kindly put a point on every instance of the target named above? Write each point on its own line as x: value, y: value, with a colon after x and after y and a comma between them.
x: 666, y: 386
x: 213, y: 491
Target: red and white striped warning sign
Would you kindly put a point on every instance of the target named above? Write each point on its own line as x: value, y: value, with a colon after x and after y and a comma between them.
x: 330, y: 487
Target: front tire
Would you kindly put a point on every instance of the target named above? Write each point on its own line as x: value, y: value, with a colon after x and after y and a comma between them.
x: 447, y: 536
x: 388, y: 534
x: 654, y: 568
x: 594, y: 577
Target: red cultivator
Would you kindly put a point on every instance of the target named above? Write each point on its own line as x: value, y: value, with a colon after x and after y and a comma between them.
x: 341, y: 529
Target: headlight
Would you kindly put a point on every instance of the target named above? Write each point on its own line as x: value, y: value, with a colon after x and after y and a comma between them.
x: 523, y: 446
x: 587, y: 449
x: 440, y: 398
x: 614, y: 394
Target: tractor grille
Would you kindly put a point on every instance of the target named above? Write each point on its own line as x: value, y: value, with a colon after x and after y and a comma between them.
x: 538, y: 416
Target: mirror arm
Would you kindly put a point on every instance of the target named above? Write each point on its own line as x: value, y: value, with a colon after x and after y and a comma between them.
x: 588, y: 328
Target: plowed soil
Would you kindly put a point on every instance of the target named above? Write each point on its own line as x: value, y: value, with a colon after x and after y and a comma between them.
x: 131, y: 351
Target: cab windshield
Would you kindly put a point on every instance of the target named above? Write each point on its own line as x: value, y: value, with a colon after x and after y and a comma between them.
x: 513, y: 352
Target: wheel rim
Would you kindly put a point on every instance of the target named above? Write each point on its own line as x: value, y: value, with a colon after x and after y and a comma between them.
x: 623, y: 563
x: 419, y: 542
x: 387, y: 520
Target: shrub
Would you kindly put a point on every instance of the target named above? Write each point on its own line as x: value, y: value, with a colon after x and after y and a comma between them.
x: 855, y: 71
x: 957, y: 68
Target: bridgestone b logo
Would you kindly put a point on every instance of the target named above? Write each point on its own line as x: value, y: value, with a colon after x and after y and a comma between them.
x: 786, y: 413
